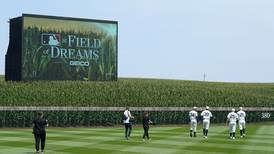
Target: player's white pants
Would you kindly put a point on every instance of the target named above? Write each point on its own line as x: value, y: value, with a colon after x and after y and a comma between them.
x: 193, y: 125
x: 232, y: 127
x: 241, y: 124
x: 206, y: 123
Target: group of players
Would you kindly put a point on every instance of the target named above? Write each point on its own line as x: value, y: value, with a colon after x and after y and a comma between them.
x: 39, y: 124
x: 232, y: 119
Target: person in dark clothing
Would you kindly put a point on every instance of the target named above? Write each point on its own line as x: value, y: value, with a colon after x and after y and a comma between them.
x: 146, y: 122
x: 39, y: 131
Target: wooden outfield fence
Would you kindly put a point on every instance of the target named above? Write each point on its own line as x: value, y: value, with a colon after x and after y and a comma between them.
x: 71, y: 108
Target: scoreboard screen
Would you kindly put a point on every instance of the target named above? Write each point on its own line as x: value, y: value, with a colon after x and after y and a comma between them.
x: 60, y: 48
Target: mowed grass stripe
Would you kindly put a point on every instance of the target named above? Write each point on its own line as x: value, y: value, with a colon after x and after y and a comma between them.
x: 232, y: 146
x: 227, y: 140
x: 261, y: 146
x: 81, y: 144
x: 100, y: 140
x: 192, y: 143
x: 123, y: 146
x: 172, y: 143
x: 118, y: 132
x: 182, y: 138
x: 170, y: 140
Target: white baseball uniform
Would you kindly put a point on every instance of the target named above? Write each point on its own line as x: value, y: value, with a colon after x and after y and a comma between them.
x: 206, y: 118
x: 232, y: 117
x: 193, y: 120
x: 241, y: 114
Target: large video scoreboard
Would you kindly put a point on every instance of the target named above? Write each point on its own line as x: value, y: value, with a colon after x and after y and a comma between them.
x: 60, y: 48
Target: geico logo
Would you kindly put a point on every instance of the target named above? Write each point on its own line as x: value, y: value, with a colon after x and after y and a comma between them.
x: 79, y: 63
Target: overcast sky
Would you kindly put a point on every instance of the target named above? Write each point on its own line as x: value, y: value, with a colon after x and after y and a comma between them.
x: 229, y: 40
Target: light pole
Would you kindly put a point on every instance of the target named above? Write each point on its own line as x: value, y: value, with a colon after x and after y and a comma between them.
x: 204, y: 76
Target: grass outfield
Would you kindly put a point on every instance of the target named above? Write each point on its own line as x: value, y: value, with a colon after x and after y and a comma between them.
x: 165, y: 140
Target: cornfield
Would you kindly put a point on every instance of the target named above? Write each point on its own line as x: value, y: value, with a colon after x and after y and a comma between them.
x: 136, y: 92
x: 36, y: 65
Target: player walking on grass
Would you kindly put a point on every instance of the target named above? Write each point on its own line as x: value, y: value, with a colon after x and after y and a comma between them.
x: 39, y: 131
x: 241, y: 115
x: 232, y: 118
x: 193, y: 121
x: 206, y: 114
x: 146, y: 122
x: 127, y: 123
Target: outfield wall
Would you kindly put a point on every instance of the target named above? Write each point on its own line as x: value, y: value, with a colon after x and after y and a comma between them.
x: 106, y: 116
x: 83, y: 108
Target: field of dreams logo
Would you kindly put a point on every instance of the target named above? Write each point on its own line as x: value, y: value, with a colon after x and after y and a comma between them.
x: 79, y: 50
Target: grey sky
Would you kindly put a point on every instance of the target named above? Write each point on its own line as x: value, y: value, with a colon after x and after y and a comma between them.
x: 229, y: 40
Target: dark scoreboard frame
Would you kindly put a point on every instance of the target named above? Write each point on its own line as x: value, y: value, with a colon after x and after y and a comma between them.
x: 13, y: 62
